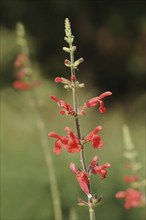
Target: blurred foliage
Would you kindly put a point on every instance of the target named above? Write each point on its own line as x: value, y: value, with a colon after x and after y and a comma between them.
x: 25, y: 189
x: 110, y: 35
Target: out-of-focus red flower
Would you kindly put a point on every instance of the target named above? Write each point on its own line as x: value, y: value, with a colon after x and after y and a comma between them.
x: 20, y: 60
x: 94, y: 101
x: 94, y: 138
x: 20, y: 85
x: 130, y: 179
x: 127, y: 165
x: 82, y: 178
x: 133, y: 198
x: 70, y: 142
x: 21, y: 74
x: 98, y: 169
x: 67, y: 109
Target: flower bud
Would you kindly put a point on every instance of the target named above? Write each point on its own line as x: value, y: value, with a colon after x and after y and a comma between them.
x: 77, y: 62
x: 80, y: 85
x: 66, y: 39
x: 73, y: 48
x: 66, y: 86
x: 66, y: 49
x: 67, y: 63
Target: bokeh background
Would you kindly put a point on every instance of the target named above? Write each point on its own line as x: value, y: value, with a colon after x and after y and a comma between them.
x: 111, y: 37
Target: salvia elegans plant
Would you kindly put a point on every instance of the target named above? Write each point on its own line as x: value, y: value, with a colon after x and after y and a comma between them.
x: 74, y: 142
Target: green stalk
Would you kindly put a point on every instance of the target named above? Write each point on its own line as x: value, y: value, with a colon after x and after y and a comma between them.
x: 76, y: 117
x: 41, y: 128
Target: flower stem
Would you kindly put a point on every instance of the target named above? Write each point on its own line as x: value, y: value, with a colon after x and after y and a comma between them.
x: 41, y: 127
x: 77, y: 125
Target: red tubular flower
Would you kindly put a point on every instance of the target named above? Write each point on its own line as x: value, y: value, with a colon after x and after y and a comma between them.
x: 70, y: 142
x: 73, y: 144
x: 94, y: 101
x: 20, y: 85
x: 130, y: 179
x: 101, y: 170
x: 133, y: 198
x: 82, y: 178
x: 58, y: 79
x: 62, y: 104
x: 59, y: 143
x: 62, y: 80
x: 94, y: 138
x: 96, y: 169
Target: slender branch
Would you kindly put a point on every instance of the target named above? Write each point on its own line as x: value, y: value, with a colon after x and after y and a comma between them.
x: 41, y: 128
x: 77, y: 125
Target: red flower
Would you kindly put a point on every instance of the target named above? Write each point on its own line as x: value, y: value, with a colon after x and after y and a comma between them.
x: 73, y: 144
x: 73, y: 78
x: 82, y: 178
x: 62, y: 80
x: 20, y: 60
x: 20, y: 85
x: 130, y: 179
x: 94, y: 101
x: 94, y: 138
x: 96, y: 169
x: 70, y: 142
x: 58, y: 144
x: 133, y: 198
x: 67, y: 109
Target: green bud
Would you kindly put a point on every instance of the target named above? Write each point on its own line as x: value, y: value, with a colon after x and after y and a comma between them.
x: 67, y: 63
x: 66, y: 86
x: 73, y: 48
x: 67, y: 28
x: 20, y: 31
x: 66, y: 49
x: 66, y: 39
x: 77, y: 62
x: 80, y: 85
x: 72, y: 39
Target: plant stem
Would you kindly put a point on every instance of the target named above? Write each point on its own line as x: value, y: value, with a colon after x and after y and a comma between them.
x: 77, y: 125
x: 43, y: 133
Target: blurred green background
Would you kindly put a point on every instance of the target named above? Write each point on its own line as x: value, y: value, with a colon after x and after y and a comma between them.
x: 110, y: 36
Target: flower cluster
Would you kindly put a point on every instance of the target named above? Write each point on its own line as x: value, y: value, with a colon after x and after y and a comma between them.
x: 20, y: 83
x: 22, y: 64
x: 83, y: 176
x: 70, y: 142
x: 74, y: 142
x: 133, y: 195
x: 133, y: 198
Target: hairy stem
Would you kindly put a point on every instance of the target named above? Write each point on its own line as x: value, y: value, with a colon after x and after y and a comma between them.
x: 77, y: 125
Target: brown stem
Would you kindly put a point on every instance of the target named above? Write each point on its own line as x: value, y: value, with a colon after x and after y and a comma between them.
x: 77, y: 125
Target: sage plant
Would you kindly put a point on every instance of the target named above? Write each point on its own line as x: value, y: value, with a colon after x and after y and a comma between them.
x: 74, y: 142
x: 133, y: 195
x: 24, y: 82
